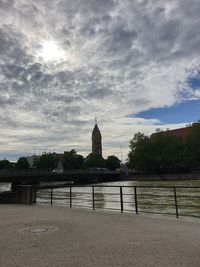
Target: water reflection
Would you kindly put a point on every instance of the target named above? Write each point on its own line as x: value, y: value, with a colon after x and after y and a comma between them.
x: 99, y: 198
x: 4, y: 187
x: 154, y: 200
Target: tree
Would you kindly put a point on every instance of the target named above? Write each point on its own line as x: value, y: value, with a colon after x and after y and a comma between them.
x: 167, y: 152
x: 46, y: 161
x: 138, y: 137
x: 94, y: 160
x: 5, y: 164
x: 160, y: 152
x: 112, y: 162
x: 72, y: 160
x: 22, y: 164
x: 139, y: 157
x: 192, y: 145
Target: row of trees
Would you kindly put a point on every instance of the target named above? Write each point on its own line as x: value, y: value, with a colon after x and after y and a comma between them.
x: 165, y: 152
x: 22, y: 163
x: 71, y: 160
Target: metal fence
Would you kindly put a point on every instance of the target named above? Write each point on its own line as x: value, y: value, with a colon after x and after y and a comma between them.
x: 171, y: 200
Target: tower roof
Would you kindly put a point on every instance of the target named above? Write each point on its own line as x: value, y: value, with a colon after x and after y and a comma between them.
x: 96, y: 132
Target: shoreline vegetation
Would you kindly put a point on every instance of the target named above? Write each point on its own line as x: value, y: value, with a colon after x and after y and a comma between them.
x: 166, y: 152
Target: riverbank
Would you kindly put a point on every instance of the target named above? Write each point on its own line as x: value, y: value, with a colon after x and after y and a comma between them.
x: 162, y: 177
x: 59, y: 236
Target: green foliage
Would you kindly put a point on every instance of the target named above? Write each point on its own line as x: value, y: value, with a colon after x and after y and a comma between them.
x: 166, y: 152
x: 94, y: 160
x: 137, y: 139
x: 22, y: 164
x: 140, y: 154
x: 72, y: 160
x: 156, y: 153
x: 5, y: 164
x: 46, y: 161
x: 192, y: 145
x: 112, y: 162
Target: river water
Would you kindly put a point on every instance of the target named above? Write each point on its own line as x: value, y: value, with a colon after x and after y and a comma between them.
x: 150, y: 200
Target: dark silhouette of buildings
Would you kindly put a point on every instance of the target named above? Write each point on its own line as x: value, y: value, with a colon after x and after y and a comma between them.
x: 96, y: 140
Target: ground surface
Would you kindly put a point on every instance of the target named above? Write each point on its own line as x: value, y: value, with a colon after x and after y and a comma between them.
x: 58, y: 236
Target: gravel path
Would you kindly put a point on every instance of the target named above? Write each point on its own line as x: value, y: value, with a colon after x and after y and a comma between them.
x: 58, y: 236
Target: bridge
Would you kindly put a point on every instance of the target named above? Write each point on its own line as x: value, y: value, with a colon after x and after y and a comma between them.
x: 76, y: 176
x: 24, y: 183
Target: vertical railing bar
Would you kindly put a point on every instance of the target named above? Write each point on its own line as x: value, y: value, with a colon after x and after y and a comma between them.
x: 51, y: 196
x: 176, y: 203
x: 70, y: 196
x: 121, y: 199
x: 136, y: 201
x: 36, y: 191
x: 93, y: 198
x: 30, y: 195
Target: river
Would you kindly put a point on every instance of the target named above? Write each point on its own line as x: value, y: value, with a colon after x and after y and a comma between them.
x: 150, y: 200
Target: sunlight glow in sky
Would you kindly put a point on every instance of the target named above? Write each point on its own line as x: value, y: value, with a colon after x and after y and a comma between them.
x: 134, y: 65
x: 50, y: 51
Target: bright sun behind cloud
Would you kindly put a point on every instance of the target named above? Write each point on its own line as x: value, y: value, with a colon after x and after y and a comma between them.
x: 50, y: 51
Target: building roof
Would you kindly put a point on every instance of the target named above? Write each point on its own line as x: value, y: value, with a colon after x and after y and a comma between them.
x: 180, y: 132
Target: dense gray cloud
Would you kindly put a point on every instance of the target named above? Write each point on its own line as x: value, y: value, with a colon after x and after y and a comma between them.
x: 64, y: 62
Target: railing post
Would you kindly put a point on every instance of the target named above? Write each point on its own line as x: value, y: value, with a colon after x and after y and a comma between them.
x: 93, y: 200
x: 70, y: 196
x: 136, y: 202
x: 30, y: 195
x: 121, y: 199
x: 36, y: 192
x: 176, y: 204
x: 51, y: 196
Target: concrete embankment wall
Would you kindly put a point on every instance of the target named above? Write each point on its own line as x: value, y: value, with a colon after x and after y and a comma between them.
x: 163, y: 177
x: 8, y: 197
x: 24, y: 194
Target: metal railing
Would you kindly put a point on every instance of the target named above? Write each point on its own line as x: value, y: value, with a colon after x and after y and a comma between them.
x: 171, y: 200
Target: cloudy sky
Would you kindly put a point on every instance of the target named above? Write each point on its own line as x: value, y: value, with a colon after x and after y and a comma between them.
x: 132, y: 64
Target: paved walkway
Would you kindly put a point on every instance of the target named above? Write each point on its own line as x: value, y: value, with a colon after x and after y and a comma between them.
x: 58, y: 236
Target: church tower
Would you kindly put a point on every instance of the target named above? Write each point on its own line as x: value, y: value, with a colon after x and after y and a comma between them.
x: 96, y: 140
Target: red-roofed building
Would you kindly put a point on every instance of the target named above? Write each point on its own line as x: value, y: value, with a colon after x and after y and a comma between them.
x: 180, y: 132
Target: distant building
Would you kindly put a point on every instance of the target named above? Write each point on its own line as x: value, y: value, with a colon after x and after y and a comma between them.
x: 180, y: 132
x: 58, y: 156
x: 31, y: 159
x: 96, y: 140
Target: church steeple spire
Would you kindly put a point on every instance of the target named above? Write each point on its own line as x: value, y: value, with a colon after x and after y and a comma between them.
x: 96, y: 140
